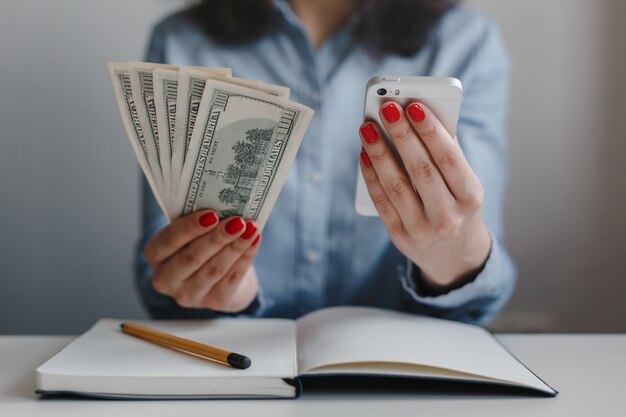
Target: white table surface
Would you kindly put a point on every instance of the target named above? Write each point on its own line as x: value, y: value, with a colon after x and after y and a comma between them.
x: 588, y: 370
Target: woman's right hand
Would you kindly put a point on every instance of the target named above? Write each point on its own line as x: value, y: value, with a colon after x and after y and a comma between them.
x: 204, y: 263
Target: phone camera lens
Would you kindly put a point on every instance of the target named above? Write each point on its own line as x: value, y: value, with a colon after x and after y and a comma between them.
x: 381, y: 91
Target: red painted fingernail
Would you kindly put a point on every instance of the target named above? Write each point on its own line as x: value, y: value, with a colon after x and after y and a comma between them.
x: 250, y: 230
x: 391, y: 113
x: 369, y: 133
x: 416, y: 112
x: 365, y: 159
x: 256, y: 241
x: 208, y: 219
x: 235, y: 226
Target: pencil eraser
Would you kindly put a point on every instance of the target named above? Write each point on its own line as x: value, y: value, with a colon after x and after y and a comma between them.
x: 238, y: 361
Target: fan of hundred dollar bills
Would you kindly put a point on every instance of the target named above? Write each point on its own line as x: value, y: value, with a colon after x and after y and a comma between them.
x: 205, y: 139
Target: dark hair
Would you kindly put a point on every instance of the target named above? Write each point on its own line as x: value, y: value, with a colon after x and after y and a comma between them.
x: 384, y: 26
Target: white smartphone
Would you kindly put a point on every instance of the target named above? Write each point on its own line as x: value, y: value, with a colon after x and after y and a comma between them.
x: 441, y: 94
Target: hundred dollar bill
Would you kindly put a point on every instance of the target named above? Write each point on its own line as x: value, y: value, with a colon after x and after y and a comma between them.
x: 165, y: 94
x: 190, y: 88
x: 191, y: 84
x: 165, y: 83
x: 141, y: 81
x: 240, y: 151
x: 143, y: 148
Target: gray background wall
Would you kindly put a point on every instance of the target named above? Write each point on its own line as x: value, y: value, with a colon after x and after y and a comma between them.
x: 69, y: 184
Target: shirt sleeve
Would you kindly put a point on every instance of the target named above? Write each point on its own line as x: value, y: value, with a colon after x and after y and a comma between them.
x: 482, y: 134
x: 478, y: 301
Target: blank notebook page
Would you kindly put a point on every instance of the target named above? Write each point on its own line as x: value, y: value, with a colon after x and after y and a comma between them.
x: 344, y: 335
x: 105, y: 351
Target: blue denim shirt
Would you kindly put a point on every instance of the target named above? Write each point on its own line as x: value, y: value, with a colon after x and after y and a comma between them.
x: 316, y: 250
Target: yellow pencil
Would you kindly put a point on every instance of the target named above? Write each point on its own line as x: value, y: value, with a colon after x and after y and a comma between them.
x: 208, y: 352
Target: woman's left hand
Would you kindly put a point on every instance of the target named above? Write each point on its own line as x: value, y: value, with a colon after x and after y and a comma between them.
x: 433, y: 212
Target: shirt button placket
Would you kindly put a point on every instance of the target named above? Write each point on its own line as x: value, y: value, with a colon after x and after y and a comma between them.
x: 311, y: 280
x: 311, y: 273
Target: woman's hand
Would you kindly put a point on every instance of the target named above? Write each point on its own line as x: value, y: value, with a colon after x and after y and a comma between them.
x: 204, y: 263
x: 433, y: 212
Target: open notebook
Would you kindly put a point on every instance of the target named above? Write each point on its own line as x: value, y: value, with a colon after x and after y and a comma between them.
x: 333, y: 341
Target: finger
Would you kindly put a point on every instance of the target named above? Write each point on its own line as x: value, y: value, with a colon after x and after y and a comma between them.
x: 444, y: 150
x: 178, y: 234
x: 386, y: 210
x: 228, y: 290
x: 215, y: 269
x: 394, y: 182
x: 173, y: 271
x: 422, y: 171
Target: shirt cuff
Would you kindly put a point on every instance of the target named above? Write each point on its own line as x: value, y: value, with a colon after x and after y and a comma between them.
x: 490, y: 284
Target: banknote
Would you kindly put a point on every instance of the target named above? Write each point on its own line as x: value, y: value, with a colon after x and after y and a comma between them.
x: 141, y: 81
x: 166, y: 94
x: 144, y: 149
x: 166, y: 97
x: 205, y: 139
x: 190, y: 91
x: 241, y: 148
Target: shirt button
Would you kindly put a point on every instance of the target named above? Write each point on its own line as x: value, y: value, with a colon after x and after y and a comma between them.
x: 312, y: 256
x: 316, y: 176
x: 315, y: 97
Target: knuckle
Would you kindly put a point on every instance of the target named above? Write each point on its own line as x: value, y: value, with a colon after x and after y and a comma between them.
x: 148, y: 255
x: 449, y: 159
x: 381, y: 202
x: 232, y: 275
x: 214, y: 270
x: 446, y: 224
x: 403, y: 134
x: 474, y: 198
x: 159, y: 284
x: 185, y: 299
x: 396, y: 188
x: 422, y: 171
x: 428, y: 131
x: 168, y: 241
x: 377, y: 154
x: 395, y: 228
x: 247, y: 256
x: 189, y: 257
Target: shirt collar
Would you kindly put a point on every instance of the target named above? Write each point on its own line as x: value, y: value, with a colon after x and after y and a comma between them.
x: 285, y: 10
x: 287, y: 13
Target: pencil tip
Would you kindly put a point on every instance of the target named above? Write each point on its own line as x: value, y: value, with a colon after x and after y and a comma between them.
x: 122, y: 325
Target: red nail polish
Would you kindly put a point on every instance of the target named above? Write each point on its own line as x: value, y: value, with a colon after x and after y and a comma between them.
x: 365, y: 159
x: 391, y: 113
x: 416, y: 112
x: 250, y: 230
x: 369, y: 133
x: 256, y: 241
x: 208, y: 219
x: 234, y: 226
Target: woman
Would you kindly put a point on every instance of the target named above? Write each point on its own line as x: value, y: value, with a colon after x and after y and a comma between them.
x: 436, y: 247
